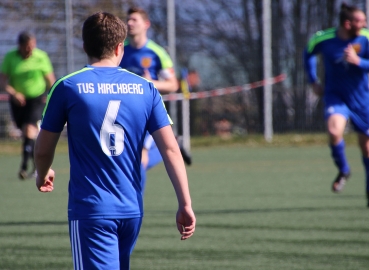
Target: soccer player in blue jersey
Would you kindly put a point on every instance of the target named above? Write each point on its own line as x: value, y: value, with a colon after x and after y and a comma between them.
x: 345, y: 52
x: 144, y: 57
x: 108, y: 111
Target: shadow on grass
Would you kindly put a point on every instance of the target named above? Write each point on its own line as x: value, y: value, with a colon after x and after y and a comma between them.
x: 260, y: 210
x: 33, y: 223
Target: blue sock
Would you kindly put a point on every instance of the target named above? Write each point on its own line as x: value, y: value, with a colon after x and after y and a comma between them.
x: 339, y: 157
x: 366, y: 167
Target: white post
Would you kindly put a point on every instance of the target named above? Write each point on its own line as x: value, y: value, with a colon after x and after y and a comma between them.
x: 171, y: 25
x: 69, y: 35
x: 186, y: 124
x: 267, y: 70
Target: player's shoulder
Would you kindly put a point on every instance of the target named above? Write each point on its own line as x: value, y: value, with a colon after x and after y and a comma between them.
x: 159, y: 50
x: 70, y: 77
x: 322, y: 35
x: 12, y: 52
x: 364, y: 32
x: 39, y: 52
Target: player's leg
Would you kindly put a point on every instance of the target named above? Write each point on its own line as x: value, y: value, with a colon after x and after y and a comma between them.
x: 30, y: 132
x: 154, y: 157
x: 336, y: 124
x: 94, y: 243
x: 17, y: 113
x: 33, y: 112
x: 128, y: 233
x: 364, y: 146
x: 150, y: 158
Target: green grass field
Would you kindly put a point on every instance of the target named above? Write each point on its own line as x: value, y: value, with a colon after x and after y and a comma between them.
x: 257, y: 207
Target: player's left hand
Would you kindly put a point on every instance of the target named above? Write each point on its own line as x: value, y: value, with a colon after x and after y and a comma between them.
x: 46, y: 184
x: 351, y: 56
x: 186, y: 222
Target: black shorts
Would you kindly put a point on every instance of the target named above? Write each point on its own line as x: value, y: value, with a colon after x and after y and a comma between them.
x: 31, y: 113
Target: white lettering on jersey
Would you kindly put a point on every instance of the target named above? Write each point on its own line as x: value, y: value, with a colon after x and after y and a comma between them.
x: 120, y: 88
x: 86, y: 88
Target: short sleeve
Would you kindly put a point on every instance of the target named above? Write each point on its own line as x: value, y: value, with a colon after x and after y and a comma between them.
x: 5, y: 65
x: 54, y: 116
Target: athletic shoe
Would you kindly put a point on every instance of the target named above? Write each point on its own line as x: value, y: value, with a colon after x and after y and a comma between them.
x: 32, y: 175
x: 340, y: 181
x: 22, y: 174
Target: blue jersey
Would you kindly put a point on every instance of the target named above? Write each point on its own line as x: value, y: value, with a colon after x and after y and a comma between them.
x: 346, y: 89
x: 341, y: 77
x: 108, y: 111
x: 151, y: 57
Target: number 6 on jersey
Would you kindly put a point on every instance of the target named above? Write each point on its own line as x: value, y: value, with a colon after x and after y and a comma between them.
x: 111, y: 134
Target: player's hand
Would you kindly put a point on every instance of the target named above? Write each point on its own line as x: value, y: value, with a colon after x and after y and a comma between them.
x: 19, y: 99
x: 147, y: 75
x: 46, y: 184
x: 186, y: 222
x: 318, y: 89
x: 351, y: 56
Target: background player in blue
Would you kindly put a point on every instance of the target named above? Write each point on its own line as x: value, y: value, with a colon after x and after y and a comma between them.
x: 144, y: 57
x: 108, y: 111
x: 345, y: 52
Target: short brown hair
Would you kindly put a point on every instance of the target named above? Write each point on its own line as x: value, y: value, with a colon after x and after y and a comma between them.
x: 101, y: 33
x: 141, y: 11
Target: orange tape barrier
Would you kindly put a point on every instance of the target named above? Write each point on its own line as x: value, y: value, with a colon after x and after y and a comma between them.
x: 211, y: 93
x: 225, y: 91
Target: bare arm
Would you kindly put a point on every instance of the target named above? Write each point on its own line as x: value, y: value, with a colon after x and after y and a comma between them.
x: 4, y: 85
x: 50, y: 80
x: 176, y: 170
x: 167, y: 85
x: 44, y: 156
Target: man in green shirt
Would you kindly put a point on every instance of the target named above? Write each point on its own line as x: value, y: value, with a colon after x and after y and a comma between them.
x: 26, y: 73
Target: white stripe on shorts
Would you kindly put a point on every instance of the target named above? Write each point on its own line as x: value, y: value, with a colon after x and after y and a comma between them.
x: 76, y: 246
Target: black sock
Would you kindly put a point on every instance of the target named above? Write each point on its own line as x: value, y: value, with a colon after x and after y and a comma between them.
x: 28, y: 145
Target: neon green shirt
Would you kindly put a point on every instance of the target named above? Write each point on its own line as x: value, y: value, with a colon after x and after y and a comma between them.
x: 27, y: 75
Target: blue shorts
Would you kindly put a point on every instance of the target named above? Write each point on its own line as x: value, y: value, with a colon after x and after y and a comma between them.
x: 359, y: 115
x: 103, y: 244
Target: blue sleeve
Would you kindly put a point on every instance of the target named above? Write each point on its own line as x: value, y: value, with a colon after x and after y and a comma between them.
x: 55, y: 115
x: 159, y: 117
x: 310, y: 66
x: 364, y: 64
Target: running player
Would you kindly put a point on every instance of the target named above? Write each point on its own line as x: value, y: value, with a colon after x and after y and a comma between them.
x: 108, y: 111
x: 345, y: 52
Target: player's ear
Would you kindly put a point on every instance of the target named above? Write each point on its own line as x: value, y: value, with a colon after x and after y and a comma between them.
x: 148, y: 24
x: 119, y: 49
